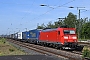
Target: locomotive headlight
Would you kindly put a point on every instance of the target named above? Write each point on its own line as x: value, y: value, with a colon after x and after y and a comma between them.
x: 74, y: 37
x: 65, y: 37
x: 75, y: 40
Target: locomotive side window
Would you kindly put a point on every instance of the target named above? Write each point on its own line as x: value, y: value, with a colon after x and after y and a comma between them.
x: 69, y: 32
x: 58, y: 32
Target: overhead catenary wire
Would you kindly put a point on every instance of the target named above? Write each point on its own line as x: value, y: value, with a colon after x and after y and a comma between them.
x: 26, y: 13
x: 56, y: 8
x: 47, y: 11
x: 85, y: 11
x: 52, y: 9
x: 28, y: 10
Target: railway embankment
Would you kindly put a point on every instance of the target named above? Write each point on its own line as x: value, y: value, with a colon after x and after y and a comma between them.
x: 8, y: 49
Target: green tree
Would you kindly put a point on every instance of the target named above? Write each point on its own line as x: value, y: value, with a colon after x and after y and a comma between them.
x: 86, y: 31
x: 41, y: 27
x: 71, y: 20
x: 50, y: 25
x: 59, y: 23
x: 81, y: 23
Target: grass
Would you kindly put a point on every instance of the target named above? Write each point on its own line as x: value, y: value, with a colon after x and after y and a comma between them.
x: 7, y: 49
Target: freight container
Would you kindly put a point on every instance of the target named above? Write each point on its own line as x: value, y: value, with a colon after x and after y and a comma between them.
x: 16, y: 36
x: 19, y: 35
x: 34, y: 35
x: 8, y: 36
x: 25, y: 36
x: 12, y: 36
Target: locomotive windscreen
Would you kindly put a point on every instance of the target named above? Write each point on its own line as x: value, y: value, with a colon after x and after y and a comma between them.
x: 69, y: 32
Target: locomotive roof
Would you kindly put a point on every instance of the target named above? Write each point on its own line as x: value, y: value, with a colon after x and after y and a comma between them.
x: 54, y: 29
x: 49, y: 29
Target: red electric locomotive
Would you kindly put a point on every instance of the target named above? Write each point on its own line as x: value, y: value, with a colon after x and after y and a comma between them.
x: 60, y: 38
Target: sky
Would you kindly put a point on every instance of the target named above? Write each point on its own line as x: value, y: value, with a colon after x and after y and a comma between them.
x: 22, y: 15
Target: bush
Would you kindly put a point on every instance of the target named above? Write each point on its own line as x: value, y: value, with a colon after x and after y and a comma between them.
x: 86, y: 53
x: 11, y: 50
x: 1, y: 54
x: 3, y: 40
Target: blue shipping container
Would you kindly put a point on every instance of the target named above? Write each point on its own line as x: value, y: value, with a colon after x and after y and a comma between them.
x: 25, y: 35
x: 34, y: 34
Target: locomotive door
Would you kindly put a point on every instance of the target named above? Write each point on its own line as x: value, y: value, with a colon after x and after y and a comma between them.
x: 58, y: 36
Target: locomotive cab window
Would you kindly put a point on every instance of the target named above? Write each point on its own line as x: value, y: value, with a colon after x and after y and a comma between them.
x: 58, y: 32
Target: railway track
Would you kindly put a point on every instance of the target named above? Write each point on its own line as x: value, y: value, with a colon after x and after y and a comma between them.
x: 84, y: 43
x: 50, y: 51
